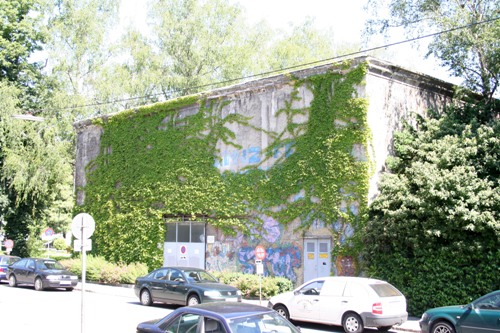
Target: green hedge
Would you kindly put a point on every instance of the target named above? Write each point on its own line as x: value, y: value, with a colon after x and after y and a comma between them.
x: 101, y: 271
x: 250, y: 285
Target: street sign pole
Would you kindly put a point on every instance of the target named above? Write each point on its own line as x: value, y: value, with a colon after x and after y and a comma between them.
x: 83, y: 227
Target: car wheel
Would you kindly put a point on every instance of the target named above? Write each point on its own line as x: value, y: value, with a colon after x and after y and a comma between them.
x: 442, y: 327
x: 69, y: 289
x: 146, y: 297
x: 384, y: 328
x: 352, y: 323
x: 282, y: 310
x: 12, y: 280
x: 38, y: 284
x: 193, y: 300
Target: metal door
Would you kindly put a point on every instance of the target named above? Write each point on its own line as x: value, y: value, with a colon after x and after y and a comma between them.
x: 317, y: 258
x: 185, y: 244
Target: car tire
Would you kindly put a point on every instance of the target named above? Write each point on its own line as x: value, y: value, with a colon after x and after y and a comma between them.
x: 282, y: 310
x: 12, y: 280
x: 193, y: 300
x: 352, y: 323
x: 69, y: 289
x: 442, y: 327
x: 145, y: 298
x: 38, y: 284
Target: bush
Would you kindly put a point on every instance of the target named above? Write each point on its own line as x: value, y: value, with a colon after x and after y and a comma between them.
x: 60, y: 244
x: 101, y: 271
x: 251, y: 285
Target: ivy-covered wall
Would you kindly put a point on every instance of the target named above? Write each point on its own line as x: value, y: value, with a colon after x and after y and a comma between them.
x: 268, y: 162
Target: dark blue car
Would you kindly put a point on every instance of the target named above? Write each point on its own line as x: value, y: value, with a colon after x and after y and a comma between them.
x: 5, y: 261
x: 220, y: 317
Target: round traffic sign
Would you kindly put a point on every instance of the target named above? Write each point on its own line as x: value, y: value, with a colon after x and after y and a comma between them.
x: 260, y: 252
x: 9, y: 243
x: 83, y: 226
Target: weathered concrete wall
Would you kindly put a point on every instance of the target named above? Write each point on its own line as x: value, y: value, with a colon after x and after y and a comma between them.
x: 393, y: 94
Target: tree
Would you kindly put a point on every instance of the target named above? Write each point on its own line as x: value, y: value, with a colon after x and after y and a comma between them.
x: 20, y: 36
x: 468, y: 44
x: 436, y: 221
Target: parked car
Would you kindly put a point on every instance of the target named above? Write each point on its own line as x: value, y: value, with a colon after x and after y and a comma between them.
x: 481, y: 315
x: 220, y: 317
x: 5, y: 261
x: 184, y: 286
x: 41, y: 273
x: 351, y: 302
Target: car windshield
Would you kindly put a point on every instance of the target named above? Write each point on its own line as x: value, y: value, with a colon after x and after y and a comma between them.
x: 385, y: 290
x: 47, y: 264
x: 262, y: 323
x: 199, y: 276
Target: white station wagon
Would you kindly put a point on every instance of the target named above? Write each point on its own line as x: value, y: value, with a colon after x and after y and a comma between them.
x: 351, y: 302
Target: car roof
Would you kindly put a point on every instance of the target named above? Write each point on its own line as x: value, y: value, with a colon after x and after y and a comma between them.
x: 226, y: 310
x: 349, y: 278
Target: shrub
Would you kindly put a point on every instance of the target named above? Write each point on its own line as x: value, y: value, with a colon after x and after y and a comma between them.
x: 60, y: 244
x: 251, y: 285
x: 102, y: 271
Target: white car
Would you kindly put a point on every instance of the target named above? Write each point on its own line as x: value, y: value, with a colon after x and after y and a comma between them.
x: 351, y: 302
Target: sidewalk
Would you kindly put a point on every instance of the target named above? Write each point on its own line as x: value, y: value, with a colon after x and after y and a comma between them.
x: 411, y: 325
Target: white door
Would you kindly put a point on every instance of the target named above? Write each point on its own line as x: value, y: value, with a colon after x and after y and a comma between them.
x: 317, y: 258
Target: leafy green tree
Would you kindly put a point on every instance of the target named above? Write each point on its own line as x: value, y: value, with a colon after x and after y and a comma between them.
x: 434, y: 229
x: 471, y: 53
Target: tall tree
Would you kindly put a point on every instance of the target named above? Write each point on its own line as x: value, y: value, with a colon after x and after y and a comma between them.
x: 436, y: 221
x: 468, y: 44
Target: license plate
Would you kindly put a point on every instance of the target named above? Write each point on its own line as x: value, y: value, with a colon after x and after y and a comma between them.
x: 231, y: 300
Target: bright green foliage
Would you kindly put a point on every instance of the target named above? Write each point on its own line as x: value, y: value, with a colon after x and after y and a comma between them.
x: 154, y: 162
x: 472, y: 53
x: 20, y: 36
x: 434, y: 230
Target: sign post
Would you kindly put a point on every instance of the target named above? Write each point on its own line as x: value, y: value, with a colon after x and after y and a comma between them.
x: 9, y: 244
x: 83, y: 227
x: 260, y: 254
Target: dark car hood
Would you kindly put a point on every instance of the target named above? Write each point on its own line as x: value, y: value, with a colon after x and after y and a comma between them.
x: 215, y: 285
x: 449, y: 309
x: 56, y: 272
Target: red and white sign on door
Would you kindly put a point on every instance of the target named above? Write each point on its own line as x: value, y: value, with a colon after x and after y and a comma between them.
x: 260, y: 252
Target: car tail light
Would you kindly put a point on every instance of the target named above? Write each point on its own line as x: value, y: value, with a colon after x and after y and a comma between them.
x: 2, y: 269
x: 377, y: 308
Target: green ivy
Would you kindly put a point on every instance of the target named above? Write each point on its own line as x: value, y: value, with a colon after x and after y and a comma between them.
x: 155, y: 161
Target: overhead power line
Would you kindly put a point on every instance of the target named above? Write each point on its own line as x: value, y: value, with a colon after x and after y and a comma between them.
x: 264, y: 74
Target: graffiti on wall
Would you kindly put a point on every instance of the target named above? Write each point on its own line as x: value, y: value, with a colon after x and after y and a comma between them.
x: 238, y: 253
x: 235, y: 159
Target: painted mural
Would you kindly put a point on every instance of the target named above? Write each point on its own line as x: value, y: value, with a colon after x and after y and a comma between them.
x: 238, y: 253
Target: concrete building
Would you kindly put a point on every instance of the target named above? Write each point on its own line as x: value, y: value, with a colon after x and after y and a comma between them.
x: 392, y: 95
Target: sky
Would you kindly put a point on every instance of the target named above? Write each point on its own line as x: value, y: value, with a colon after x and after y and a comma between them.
x: 346, y: 18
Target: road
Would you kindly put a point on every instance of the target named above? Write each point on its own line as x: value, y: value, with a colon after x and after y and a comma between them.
x: 107, y: 309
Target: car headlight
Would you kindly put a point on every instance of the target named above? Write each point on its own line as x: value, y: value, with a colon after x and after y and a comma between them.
x: 425, y: 316
x: 53, y: 277
x: 73, y: 277
x: 211, y: 293
x: 238, y: 292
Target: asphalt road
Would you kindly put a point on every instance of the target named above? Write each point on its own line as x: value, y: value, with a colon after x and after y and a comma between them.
x: 105, y: 309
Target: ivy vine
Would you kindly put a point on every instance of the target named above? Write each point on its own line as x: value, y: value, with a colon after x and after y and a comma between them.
x: 158, y: 160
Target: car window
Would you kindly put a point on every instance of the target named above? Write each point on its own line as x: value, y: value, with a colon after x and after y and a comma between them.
x: 313, y: 288
x: 489, y: 303
x: 20, y: 264
x: 186, y: 323
x: 385, y: 290
x: 354, y: 289
x: 334, y: 288
x: 48, y: 264
x: 262, y: 323
x: 213, y: 326
x: 175, y: 275
x: 161, y: 274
